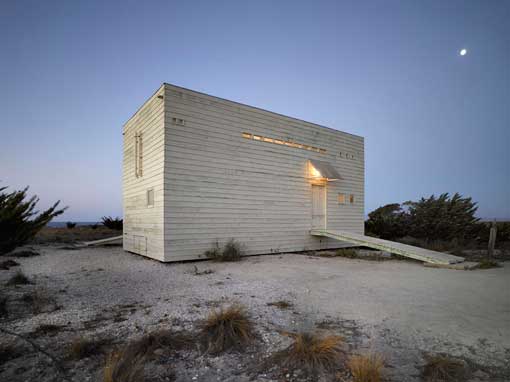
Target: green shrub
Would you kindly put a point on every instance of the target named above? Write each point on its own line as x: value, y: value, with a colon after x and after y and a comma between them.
x: 232, y: 251
x: 113, y: 223
x: 70, y: 225
x: 19, y: 222
x: 387, y: 222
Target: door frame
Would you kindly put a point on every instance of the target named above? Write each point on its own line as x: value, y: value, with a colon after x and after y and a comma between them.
x: 325, y: 194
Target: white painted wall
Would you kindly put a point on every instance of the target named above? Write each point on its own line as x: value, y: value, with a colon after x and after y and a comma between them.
x: 143, y: 225
x: 219, y: 185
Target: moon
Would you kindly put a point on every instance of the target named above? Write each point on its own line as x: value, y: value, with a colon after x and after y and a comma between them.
x: 463, y: 52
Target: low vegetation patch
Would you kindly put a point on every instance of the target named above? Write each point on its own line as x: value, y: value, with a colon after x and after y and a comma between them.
x: 19, y: 279
x: 488, y: 263
x: 282, y: 304
x: 227, y: 328
x: 46, y: 329
x: 9, y: 352
x: 3, y: 307
x: 6, y: 264
x: 196, y: 272
x: 82, y: 347
x: 350, y: 253
x: 312, y: 353
x: 124, y: 366
x: 441, y: 368
x: 232, y: 251
x: 113, y: 223
x: 24, y: 253
x: 70, y: 225
x: 366, y: 368
x: 165, y: 340
x: 40, y: 301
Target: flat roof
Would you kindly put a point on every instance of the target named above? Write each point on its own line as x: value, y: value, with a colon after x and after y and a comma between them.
x: 238, y: 103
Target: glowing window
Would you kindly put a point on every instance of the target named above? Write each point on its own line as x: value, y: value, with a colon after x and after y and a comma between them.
x: 278, y: 141
x: 138, y: 155
x: 247, y: 135
x: 270, y: 140
x: 351, y: 198
x: 257, y: 137
x: 341, y: 198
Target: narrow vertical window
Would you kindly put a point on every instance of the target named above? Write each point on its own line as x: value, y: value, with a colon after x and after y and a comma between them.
x: 150, y: 198
x: 351, y: 198
x: 138, y: 155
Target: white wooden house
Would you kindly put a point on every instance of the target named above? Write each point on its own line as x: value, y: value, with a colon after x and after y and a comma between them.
x: 199, y: 169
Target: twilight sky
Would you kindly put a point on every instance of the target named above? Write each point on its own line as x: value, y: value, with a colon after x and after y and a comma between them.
x: 71, y: 73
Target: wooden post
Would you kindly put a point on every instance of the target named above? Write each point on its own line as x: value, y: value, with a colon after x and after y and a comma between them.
x: 492, y: 239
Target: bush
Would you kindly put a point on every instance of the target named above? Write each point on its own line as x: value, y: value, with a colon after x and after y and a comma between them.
x: 441, y: 218
x: 232, y: 251
x: 387, y: 222
x: 19, y: 222
x: 70, y: 225
x: 124, y: 366
x: 19, y: 278
x: 444, y: 369
x: 366, y: 368
x: 312, y: 352
x: 3, y: 306
x: 227, y: 328
x: 82, y: 347
x: 113, y: 223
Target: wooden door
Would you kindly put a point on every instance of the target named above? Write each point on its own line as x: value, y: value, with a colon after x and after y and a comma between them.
x: 318, y: 207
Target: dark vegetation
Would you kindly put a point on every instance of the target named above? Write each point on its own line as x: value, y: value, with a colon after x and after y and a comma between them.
x: 70, y: 225
x: 82, y: 347
x: 227, y: 328
x: 7, y: 264
x: 441, y: 368
x: 439, y: 223
x: 232, y: 251
x: 112, y: 223
x: 19, y: 221
x: 19, y: 278
x: 282, y: 304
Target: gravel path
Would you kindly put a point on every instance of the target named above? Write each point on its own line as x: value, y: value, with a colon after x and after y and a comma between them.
x: 398, y: 308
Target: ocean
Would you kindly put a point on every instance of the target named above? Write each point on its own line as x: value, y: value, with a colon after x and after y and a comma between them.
x: 63, y: 224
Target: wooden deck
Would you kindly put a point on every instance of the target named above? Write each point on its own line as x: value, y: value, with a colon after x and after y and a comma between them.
x: 416, y: 253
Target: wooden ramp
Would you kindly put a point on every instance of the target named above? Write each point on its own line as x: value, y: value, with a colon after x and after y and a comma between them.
x: 391, y: 246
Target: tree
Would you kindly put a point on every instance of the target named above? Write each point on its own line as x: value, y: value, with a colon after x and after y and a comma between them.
x: 18, y: 221
x: 387, y: 222
x: 442, y: 218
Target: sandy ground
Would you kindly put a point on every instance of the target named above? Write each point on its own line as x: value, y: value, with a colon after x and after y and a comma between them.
x: 397, y: 308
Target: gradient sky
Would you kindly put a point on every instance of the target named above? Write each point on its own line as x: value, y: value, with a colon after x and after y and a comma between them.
x: 71, y: 73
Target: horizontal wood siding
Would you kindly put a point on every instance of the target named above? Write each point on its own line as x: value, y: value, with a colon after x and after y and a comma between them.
x: 219, y: 185
x: 143, y: 225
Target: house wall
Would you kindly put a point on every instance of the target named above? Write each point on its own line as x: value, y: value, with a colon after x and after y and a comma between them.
x: 219, y: 185
x: 143, y: 225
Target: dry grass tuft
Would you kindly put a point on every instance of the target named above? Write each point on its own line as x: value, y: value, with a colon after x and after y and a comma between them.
x: 282, y: 304
x: 312, y: 352
x: 85, y: 347
x: 441, y: 368
x: 366, y: 368
x: 40, y: 301
x: 160, y: 339
x: 227, y: 328
x: 19, y: 279
x: 124, y: 366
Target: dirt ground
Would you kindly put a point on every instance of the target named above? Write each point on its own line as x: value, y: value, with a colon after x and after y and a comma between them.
x: 399, y: 309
